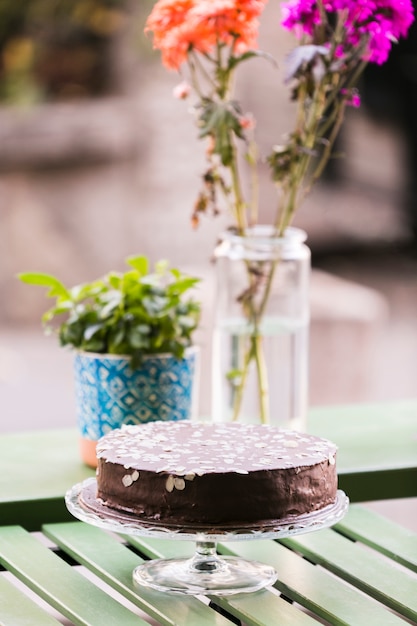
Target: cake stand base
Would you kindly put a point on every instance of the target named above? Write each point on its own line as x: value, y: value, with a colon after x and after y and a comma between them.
x: 205, y: 573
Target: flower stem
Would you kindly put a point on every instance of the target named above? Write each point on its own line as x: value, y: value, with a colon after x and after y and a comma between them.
x: 259, y: 355
x: 254, y: 352
x: 239, y: 204
x: 238, y: 397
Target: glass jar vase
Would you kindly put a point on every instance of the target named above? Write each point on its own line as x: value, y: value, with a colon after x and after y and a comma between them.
x: 261, y: 328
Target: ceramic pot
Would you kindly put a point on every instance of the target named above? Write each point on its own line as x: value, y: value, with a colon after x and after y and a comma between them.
x: 109, y: 393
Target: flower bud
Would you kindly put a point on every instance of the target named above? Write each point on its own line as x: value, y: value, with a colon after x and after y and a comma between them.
x: 247, y: 121
x: 182, y: 91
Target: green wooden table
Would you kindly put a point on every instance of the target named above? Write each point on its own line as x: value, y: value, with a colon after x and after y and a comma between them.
x: 377, y: 459
x: 362, y: 572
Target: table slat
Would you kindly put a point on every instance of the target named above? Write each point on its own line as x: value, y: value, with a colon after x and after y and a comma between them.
x: 367, y: 570
x: 263, y: 608
x: 382, y: 534
x: 58, y: 583
x: 314, y: 588
x: 113, y: 562
x: 18, y: 610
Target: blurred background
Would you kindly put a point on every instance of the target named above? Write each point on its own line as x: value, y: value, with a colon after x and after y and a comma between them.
x: 98, y: 161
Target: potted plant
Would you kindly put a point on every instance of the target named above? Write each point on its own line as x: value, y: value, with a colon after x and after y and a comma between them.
x: 132, y: 335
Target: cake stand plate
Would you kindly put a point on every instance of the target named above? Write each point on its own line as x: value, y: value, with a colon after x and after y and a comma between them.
x: 206, y: 572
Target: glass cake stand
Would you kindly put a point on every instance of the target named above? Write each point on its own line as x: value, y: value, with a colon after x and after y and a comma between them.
x: 206, y: 572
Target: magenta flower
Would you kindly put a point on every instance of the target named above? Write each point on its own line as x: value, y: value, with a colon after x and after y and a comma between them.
x: 300, y: 16
x: 353, y: 98
x: 375, y: 23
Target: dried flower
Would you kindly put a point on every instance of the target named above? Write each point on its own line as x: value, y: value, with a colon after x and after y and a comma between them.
x: 247, y: 121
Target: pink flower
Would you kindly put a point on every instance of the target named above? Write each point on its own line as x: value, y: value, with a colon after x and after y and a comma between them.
x: 381, y: 21
x: 247, y: 121
x: 300, y: 16
x: 182, y: 90
x: 353, y: 98
x: 355, y: 101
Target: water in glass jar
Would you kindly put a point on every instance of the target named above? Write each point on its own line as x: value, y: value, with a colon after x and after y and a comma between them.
x: 285, y: 348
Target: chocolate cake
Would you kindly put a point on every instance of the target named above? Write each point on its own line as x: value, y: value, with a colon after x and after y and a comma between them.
x: 188, y: 473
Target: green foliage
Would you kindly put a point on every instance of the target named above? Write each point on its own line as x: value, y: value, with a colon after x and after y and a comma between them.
x: 135, y: 313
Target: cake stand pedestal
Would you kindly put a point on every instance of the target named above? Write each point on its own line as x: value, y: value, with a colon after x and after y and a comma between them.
x: 206, y: 573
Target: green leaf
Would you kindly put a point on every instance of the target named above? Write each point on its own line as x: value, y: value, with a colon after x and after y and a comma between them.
x: 234, y: 374
x: 236, y: 60
x: 95, y: 345
x: 183, y: 285
x: 220, y: 120
x: 145, y: 329
x: 176, y: 273
x: 136, y: 338
x: 152, y: 280
x: 87, y: 290
x: 161, y: 266
x: 114, y: 280
x: 155, y: 305
x: 117, y: 336
x: 130, y: 279
x: 64, y: 307
x: 71, y: 334
x: 112, y: 304
x: 45, y: 280
x: 187, y: 322
x: 90, y: 331
x: 139, y: 263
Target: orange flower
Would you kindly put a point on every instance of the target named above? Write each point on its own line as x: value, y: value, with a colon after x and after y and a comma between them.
x: 165, y: 21
x: 167, y: 14
x: 224, y: 21
x: 181, y: 25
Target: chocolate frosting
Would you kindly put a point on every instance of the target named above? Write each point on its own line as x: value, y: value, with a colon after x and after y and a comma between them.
x: 189, y: 472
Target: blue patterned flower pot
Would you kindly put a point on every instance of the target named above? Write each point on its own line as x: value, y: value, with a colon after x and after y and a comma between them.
x: 109, y: 393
